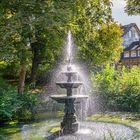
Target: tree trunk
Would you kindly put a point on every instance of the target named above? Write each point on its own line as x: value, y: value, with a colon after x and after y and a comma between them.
x: 34, y: 69
x: 35, y: 62
x: 22, y: 75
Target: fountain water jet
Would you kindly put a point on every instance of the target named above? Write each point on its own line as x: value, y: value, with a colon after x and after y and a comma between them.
x: 69, y: 124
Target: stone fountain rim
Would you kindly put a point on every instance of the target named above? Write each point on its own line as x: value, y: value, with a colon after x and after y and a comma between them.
x: 64, y: 96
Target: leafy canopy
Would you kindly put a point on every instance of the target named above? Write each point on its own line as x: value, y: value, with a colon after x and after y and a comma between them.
x: 27, y: 21
x: 133, y: 7
x: 95, y: 32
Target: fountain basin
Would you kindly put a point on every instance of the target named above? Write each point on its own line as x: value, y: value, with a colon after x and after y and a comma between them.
x: 63, y: 98
x: 69, y: 73
x: 100, y: 131
x: 69, y: 84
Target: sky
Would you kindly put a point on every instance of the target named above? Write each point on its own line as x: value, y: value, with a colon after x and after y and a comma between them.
x: 120, y: 16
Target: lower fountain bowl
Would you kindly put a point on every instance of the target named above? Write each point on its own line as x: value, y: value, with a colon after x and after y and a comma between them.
x: 63, y: 98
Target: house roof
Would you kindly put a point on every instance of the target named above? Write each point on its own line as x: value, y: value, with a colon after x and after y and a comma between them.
x: 126, y: 28
x: 133, y: 46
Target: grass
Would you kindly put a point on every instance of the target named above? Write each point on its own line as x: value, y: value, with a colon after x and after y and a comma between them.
x: 9, y: 130
x: 49, y: 124
x: 42, y: 128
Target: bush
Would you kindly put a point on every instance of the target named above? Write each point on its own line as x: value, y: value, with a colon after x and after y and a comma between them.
x: 28, y: 102
x: 14, y: 105
x: 9, y: 69
x: 120, y: 88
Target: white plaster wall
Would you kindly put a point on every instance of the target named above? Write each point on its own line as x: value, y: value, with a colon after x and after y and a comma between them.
x: 128, y: 40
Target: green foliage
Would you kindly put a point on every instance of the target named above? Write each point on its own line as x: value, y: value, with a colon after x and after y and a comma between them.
x: 3, y: 64
x: 9, y: 104
x: 27, y: 22
x: 96, y: 33
x: 96, y: 49
x: 9, y: 69
x: 33, y: 21
x: 90, y: 21
x: 15, y: 106
x: 120, y: 88
x: 28, y: 102
x: 132, y: 7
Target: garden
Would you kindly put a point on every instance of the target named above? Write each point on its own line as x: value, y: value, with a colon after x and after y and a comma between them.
x: 44, y: 41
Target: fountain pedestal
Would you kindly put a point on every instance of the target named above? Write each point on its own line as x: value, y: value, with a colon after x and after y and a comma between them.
x: 69, y: 124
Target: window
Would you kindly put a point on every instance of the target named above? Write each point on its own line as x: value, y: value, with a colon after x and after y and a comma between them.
x: 126, y: 54
x: 133, y: 34
x: 129, y: 34
x: 138, y: 52
x: 133, y: 53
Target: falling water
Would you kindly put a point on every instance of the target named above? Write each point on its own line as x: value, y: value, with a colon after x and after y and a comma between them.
x: 69, y: 59
x: 69, y: 47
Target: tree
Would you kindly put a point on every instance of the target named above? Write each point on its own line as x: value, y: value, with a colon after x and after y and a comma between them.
x: 33, y: 31
x: 28, y: 24
x: 132, y: 7
x: 97, y: 35
x: 14, y: 38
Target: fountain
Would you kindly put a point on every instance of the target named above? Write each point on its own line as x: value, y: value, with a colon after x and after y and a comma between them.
x: 69, y: 124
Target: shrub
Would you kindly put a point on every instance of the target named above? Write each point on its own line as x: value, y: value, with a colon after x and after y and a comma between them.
x: 120, y: 88
x: 14, y: 105
x: 28, y: 102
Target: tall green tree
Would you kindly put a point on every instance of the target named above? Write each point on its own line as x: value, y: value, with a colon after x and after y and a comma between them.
x: 14, y: 37
x: 33, y: 31
x: 132, y: 7
x: 32, y: 25
x: 97, y: 35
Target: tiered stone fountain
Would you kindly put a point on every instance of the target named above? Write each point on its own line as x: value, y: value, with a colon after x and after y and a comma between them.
x: 69, y: 124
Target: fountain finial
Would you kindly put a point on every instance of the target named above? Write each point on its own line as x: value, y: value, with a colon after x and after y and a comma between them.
x: 69, y: 68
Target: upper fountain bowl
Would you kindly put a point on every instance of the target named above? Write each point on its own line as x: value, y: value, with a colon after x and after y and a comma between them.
x: 69, y: 84
x: 69, y: 73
